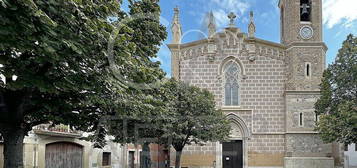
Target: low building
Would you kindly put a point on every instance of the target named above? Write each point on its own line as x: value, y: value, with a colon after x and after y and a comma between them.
x: 61, y: 147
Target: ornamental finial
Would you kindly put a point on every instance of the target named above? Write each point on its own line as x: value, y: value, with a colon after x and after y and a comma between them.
x: 251, y: 26
x: 211, y: 25
x: 176, y: 28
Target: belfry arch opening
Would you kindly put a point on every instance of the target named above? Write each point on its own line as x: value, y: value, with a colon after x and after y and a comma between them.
x: 305, y: 10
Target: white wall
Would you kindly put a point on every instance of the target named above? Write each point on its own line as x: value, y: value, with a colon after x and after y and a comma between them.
x: 352, y: 155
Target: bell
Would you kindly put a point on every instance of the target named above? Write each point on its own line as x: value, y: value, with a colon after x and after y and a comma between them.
x: 304, y: 9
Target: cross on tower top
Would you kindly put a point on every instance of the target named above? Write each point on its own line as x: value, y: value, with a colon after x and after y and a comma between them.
x: 232, y: 17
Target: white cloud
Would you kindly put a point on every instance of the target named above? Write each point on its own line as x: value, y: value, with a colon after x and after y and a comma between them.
x: 236, y: 6
x: 337, y: 11
x: 221, y: 18
x: 221, y: 8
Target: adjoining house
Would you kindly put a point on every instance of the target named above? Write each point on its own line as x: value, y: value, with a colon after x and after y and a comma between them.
x: 58, y: 146
x: 61, y: 147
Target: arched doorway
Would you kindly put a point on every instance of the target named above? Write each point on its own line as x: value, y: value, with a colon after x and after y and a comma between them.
x: 64, y: 155
x: 234, y: 153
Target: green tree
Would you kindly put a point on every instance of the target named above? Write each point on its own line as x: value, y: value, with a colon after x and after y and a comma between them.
x: 146, y: 126
x: 337, y: 105
x: 193, y: 117
x: 59, y: 52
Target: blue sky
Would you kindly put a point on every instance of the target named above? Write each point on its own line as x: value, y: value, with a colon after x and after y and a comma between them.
x: 339, y: 18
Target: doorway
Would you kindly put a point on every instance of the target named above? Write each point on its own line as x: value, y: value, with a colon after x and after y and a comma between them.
x: 232, y: 154
x: 63, y: 155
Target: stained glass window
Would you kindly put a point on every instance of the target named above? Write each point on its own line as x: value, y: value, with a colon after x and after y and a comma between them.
x: 231, y: 86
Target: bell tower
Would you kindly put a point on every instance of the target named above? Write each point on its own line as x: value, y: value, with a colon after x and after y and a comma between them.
x: 301, y: 21
x: 301, y: 33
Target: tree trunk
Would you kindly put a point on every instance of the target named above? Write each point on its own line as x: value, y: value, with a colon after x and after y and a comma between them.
x: 145, y: 161
x: 13, y: 148
x: 178, y: 159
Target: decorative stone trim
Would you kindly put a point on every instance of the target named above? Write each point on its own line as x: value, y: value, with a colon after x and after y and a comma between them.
x: 228, y: 59
x: 271, y: 52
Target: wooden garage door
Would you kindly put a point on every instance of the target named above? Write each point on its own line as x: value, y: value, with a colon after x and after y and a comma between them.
x: 64, y: 155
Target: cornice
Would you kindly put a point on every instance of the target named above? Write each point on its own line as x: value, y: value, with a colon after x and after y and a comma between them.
x: 221, y: 35
x: 265, y: 42
x: 233, y: 108
x: 173, y: 46
x: 58, y: 134
x: 268, y: 133
x: 317, y: 92
x: 302, y: 132
x: 307, y: 44
x: 187, y: 45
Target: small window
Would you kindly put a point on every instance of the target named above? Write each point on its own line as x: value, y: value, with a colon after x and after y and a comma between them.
x: 355, y: 146
x: 106, y: 161
x: 305, y: 10
x: 316, y: 117
x: 300, y: 119
x: 307, y: 69
x: 346, y: 147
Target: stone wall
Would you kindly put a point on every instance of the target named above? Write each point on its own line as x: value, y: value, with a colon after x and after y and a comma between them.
x: 296, y: 61
x: 307, y: 145
x: 301, y: 102
x: 261, y: 91
x: 308, y: 162
x: 262, y: 102
x: 266, y: 150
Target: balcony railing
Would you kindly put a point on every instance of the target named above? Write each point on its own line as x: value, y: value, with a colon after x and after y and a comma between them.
x: 58, y: 130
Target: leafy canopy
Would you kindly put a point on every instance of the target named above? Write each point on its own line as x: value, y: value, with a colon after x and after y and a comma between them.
x: 66, y: 73
x: 337, y: 105
x: 195, y: 118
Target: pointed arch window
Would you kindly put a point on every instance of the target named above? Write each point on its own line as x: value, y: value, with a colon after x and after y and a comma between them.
x: 231, y: 84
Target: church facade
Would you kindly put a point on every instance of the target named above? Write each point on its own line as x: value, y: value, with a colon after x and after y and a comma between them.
x: 266, y: 89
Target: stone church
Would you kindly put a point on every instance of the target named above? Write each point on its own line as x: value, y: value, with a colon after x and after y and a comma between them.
x: 266, y: 89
